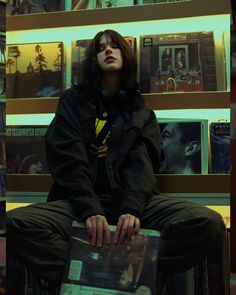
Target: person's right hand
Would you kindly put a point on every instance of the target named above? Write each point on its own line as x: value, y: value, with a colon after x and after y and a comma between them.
x: 97, y: 225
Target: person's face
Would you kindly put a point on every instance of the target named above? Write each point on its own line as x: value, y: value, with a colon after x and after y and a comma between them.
x: 172, y: 148
x: 109, y: 56
x: 36, y: 168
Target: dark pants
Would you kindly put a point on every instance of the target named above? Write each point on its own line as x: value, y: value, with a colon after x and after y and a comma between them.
x: 38, y: 234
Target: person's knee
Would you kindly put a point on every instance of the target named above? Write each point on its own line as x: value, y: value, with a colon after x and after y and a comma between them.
x: 215, y: 226
x: 15, y: 220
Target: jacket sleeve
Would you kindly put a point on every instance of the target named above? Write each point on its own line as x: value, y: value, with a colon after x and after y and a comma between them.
x: 138, y: 179
x: 67, y: 158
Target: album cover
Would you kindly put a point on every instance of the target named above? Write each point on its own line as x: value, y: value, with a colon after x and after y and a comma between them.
x: 2, y: 218
x: 2, y: 17
x: 15, y: 7
x: 83, y: 4
x: 2, y: 87
x: 2, y: 183
x: 233, y: 11
x: 79, y: 48
x: 34, y: 70
x: 2, y: 148
x: 220, y: 147
x: 184, y: 146
x: 2, y: 51
x: 125, y: 269
x: 113, y: 3
x: 157, y: 1
x: 233, y: 53
x: 2, y: 118
x: 25, y: 149
x: 88, y: 4
x: 177, y: 62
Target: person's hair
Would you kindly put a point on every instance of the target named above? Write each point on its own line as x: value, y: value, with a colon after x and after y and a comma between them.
x: 90, y: 75
x: 192, y: 132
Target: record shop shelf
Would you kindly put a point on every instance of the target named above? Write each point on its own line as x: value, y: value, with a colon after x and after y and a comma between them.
x: 160, y: 101
x: 211, y: 183
x: 117, y: 15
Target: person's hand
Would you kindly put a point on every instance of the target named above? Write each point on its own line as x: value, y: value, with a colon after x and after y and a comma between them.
x: 127, y: 226
x: 97, y: 225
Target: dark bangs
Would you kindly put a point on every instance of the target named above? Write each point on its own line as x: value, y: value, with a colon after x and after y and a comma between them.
x: 91, y: 74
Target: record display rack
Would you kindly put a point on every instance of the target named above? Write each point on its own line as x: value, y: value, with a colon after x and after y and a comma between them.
x: 195, y: 100
x: 163, y: 101
x: 137, y: 13
x: 197, y: 183
x: 156, y: 101
x: 233, y: 174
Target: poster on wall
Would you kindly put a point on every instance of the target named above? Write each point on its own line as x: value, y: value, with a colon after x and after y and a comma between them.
x: 34, y: 70
x: 79, y: 48
x: 25, y: 149
x: 15, y: 7
x: 184, y: 146
x: 181, y: 62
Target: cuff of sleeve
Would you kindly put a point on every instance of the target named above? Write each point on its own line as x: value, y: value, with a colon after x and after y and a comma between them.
x: 133, y: 203
x: 86, y: 206
x: 89, y: 213
x: 130, y: 211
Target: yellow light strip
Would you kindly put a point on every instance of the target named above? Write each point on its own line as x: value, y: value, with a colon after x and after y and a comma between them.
x: 212, y: 115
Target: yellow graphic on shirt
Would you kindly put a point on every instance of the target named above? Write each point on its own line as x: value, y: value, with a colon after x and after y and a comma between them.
x: 102, y: 151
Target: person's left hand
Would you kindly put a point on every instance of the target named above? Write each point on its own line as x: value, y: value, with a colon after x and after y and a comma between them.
x: 127, y: 226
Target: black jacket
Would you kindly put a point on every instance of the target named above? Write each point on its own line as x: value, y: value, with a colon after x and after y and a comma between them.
x: 133, y: 156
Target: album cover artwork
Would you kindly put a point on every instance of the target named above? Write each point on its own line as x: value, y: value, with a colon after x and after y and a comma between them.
x: 88, y: 4
x: 125, y: 269
x: 220, y: 147
x: 113, y: 3
x: 2, y: 83
x: 2, y: 87
x: 181, y: 62
x: 2, y: 138
x: 2, y: 149
x: 233, y: 11
x: 34, y: 70
x: 2, y: 183
x: 25, y: 150
x: 15, y: 7
x: 2, y: 17
x: 2, y: 118
x: 157, y: 1
x: 233, y: 53
x: 2, y: 50
x: 2, y: 218
x: 184, y: 146
x: 83, y: 4
x: 79, y: 48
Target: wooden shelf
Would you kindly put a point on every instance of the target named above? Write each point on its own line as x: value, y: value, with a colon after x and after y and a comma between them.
x: 163, y: 101
x: 117, y: 15
x: 31, y: 105
x: 212, y: 183
x: 188, y: 100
